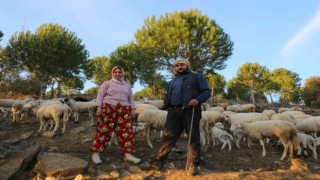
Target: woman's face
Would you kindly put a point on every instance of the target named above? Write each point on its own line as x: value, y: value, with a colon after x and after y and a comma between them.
x: 117, y: 74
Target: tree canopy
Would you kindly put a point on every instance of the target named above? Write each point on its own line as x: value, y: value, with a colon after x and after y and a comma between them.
x: 51, y: 53
x: 186, y: 34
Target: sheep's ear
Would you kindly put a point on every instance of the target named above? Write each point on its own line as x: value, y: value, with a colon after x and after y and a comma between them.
x: 66, y: 100
x: 62, y: 101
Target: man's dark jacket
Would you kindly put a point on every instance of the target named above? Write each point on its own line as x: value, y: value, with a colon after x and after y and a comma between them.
x: 194, y: 86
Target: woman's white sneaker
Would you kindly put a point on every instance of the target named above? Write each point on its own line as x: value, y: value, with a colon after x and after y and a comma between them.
x: 96, y: 158
x: 130, y: 158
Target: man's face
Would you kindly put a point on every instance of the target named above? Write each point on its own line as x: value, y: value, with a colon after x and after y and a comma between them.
x: 180, y: 67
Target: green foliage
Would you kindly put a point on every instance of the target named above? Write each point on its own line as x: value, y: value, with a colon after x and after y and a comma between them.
x: 72, y: 85
x: 237, y: 90
x: 92, y: 91
x: 101, y: 69
x: 51, y: 53
x: 254, y: 76
x: 311, y: 92
x: 288, y: 83
x: 187, y: 34
x: 135, y: 62
x: 146, y: 92
x: 217, y: 84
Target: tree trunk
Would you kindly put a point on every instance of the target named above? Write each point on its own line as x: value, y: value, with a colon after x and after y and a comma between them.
x: 58, y: 93
x: 252, y: 96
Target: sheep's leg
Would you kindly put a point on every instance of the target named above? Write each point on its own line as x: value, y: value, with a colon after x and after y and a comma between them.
x: 41, y: 125
x: 249, y: 141
x: 224, y: 143
x: 264, y: 152
x: 285, y: 150
x: 314, y: 150
x: 64, y: 127
x: 148, y: 136
x: 229, y: 144
x: 299, y: 151
x: 57, y: 121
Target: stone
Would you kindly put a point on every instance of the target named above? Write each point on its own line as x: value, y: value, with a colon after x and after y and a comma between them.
x: 18, y: 161
x: 60, y: 165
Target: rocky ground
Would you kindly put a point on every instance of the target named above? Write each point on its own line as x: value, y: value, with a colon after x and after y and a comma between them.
x: 26, y: 154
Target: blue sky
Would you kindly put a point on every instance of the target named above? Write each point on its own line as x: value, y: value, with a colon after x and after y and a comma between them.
x: 275, y: 34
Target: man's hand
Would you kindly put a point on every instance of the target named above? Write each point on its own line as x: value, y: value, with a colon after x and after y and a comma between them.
x: 193, y: 103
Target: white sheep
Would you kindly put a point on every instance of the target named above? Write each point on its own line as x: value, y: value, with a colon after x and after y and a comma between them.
x: 310, y: 125
x: 156, y: 103
x: 56, y: 111
x: 269, y: 112
x: 141, y: 107
x: 283, y: 109
x: 241, y: 108
x: 220, y: 135
x: 285, y: 131
x: 78, y: 107
x: 216, y: 108
x: 239, y: 135
x: 284, y: 117
x: 245, y: 117
x: 153, y: 119
x: 305, y: 140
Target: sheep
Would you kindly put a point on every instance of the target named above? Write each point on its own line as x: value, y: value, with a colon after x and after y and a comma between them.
x: 7, y: 103
x: 156, y: 119
x: 153, y: 118
x: 241, y: 108
x: 55, y: 111
x: 204, y: 130
x: 141, y: 107
x: 268, y: 112
x: 217, y: 108
x: 285, y: 117
x: 5, y: 111
x: 283, y: 109
x: 310, y: 125
x: 17, y: 110
x: 233, y: 108
x: 245, y: 117
x: 285, y: 131
x: 305, y: 141
x: 238, y: 135
x: 221, y: 135
x: 213, y: 117
x: 78, y: 106
x: 156, y: 103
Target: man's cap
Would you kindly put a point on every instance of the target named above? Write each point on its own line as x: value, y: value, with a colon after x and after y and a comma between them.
x: 182, y: 61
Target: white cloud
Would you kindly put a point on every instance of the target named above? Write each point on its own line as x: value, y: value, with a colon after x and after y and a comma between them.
x: 302, y: 35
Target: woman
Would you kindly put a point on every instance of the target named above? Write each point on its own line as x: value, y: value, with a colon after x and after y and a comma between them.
x: 115, y: 111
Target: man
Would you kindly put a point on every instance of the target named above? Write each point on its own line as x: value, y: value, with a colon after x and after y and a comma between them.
x: 185, y: 94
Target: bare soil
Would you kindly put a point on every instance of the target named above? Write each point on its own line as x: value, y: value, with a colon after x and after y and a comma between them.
x: 244, y: 163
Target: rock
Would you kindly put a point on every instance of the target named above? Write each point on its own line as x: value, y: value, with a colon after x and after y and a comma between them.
x: 25, y: 136
x: 48, y: 134
x: 18, y: 161
x: 60, y: 165
x: 134, y: 169
x: 114, y: 174
x: 125, y: 173
x: 78, y: 130
x: 12, y: 141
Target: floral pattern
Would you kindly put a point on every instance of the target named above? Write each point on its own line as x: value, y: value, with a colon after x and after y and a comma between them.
x: 118, y: 119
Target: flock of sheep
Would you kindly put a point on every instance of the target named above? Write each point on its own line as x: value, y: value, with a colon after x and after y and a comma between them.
x: 294, y: 129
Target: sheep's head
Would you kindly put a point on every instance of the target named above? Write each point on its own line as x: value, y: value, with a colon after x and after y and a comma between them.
x: 235, y: 126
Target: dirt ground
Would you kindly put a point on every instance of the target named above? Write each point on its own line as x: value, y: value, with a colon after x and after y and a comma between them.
x: 244, y: 163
